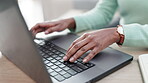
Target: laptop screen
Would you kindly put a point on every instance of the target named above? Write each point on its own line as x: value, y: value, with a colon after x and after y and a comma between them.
x: 17, y: 44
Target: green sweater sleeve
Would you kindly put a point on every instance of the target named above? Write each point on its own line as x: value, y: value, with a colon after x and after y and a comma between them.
x: 98, y: 17
x: 136, y: 35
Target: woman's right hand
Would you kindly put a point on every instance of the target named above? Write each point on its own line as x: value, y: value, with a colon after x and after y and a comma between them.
x: 49, y: 27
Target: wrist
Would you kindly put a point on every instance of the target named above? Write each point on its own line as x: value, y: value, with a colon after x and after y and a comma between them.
x: 116, y: 35
x: 120, y: 32
x: 71, y: 23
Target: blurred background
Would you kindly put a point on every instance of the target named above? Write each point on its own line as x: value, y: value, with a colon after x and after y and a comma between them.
x: 35, y: 11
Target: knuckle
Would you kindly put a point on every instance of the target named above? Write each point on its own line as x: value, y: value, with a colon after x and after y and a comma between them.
x: 90, y: 37
x: 83, y: 49
x: 86, y: 34
x: 69, y: 54
x: 93, y: 52
x: 76, y: 46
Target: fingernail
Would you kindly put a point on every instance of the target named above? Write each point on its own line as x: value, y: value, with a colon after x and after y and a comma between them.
x: 72, y: 59
x: 65, y: 58
x: 85, y: 60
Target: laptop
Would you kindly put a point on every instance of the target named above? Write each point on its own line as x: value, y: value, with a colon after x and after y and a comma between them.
x: 42, y: 60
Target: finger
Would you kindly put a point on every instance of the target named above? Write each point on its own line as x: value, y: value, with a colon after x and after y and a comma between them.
x: 81, y: 51
x: 52, y: 29
x: 42, y: 25
x: 91, y: 55
x: 37, y: 31
x: 36, y: 26
x: 75, y: 48
x: 77, y: 40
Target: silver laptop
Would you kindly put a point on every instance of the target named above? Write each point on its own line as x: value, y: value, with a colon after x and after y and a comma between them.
x: 42, y: 61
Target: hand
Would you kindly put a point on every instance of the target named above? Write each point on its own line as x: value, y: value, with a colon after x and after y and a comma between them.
x: 94, y: 41
x: 49, y: 27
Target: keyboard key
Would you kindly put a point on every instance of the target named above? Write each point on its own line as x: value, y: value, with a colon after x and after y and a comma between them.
x: 66, y: 68
x: 47, y: 51
x: 57, y: 63
x: 45, y: 55
x: 72, y: 72
x: 82, y: 66
x: 58, y: 69
x: 54, y: 66
x: 62, y: 72
x: 50, y: 64
x: 89, y: 64
x: 49, y: 58
x: 50, y: 70
x: 53, y: 73
x: 53, y: 60
x: 62, y: 65
x: 57, y: 52
x: 43, y: 50
x: 46, y: 61
x: 52, y: 45
x: 47, y: 67
x: 61, y: 60
x: 48, y: 43
x: 69, y: 64
x: 75, y: 62
x: 59, y: 77
x: 50, y: 49
x: 58, y: 58
x: 77, y: 69
x: 67, y: 75
x: 61, y: 55
x: 50, y: 53
x: 54, y: 55
x: 53, y: 50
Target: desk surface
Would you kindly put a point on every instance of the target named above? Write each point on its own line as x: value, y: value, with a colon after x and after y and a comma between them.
x: 9, y: 73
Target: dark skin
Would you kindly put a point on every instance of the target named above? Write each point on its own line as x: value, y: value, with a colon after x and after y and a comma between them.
x: 49, y: 27
x: 95, y: 41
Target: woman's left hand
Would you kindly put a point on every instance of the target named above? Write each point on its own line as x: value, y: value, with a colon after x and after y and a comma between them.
x: 95, y: 41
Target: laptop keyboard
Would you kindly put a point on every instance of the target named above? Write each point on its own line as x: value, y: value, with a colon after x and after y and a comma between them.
x: 57, y: 68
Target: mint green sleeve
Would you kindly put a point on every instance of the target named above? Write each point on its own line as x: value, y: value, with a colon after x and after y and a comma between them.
x: 136, y: 35
x: 98, y: 17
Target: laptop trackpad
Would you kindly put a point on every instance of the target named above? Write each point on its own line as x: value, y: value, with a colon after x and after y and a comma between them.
x: 64, y: 41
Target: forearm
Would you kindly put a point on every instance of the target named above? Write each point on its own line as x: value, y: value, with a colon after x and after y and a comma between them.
x: 98, y: 17
x: 136, y: 35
